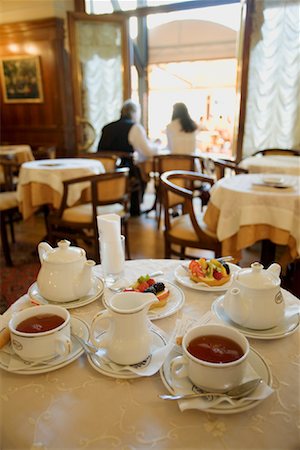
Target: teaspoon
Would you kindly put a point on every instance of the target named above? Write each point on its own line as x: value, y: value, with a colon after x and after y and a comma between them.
x: 238, y: 391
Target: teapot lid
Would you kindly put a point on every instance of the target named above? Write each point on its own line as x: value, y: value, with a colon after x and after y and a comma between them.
x: 256, y: 277
x: 64, y: 253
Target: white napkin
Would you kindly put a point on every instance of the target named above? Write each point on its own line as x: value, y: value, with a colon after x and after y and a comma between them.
x: 151, y: 365
x: 109, y: 228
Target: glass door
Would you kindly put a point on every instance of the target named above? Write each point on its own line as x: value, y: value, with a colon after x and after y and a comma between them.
x: 100, y: 62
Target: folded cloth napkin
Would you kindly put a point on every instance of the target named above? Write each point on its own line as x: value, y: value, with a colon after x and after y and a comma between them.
x: 109, y: 228
x: 151, y: 365
x: 202, y: 403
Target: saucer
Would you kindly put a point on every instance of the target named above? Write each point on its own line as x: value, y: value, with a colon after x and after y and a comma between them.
x: 104, y: 367
x: 174, y: 303
x: 288, y: 326
x: 95, y: 292
x: 78, y: 326
x: 256, y: 361
x: 183, y: 278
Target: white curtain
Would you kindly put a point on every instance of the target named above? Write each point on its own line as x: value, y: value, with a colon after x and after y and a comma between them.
x: 273, y: 98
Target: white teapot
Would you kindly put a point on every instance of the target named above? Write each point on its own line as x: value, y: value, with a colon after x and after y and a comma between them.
x: 255, y: 299
x: 65, y: 273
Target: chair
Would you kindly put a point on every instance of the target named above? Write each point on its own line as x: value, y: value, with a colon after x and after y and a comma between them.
x: 227, y: 168
x: 9, y: 211
x: 277, y: 151
x: 108, y: 194
x: 109, y: 161
x: 164, y: 163
x: 188, y: 229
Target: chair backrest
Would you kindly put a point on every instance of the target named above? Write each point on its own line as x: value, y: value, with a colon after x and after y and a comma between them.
x: 124, y: 159
x: 109, y: 161
x: 224, y: 168
x: 164, y: 163
x: 9, y: 170
x: 278, y: 151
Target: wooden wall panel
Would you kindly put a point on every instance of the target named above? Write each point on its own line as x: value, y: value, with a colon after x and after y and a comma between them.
x: 50, y: 122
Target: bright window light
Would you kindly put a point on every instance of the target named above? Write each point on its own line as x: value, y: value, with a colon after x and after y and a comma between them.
x: 133, y: 27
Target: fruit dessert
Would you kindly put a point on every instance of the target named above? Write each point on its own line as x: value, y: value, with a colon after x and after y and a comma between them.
x: 212, y: 272
x: 146, y: 284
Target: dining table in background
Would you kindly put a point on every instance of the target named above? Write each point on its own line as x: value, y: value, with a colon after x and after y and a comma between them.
x: 280, y: 164
x: 243, y: 210
x: 41, y: 182
x: 20, y: 153
x: 78, y: 407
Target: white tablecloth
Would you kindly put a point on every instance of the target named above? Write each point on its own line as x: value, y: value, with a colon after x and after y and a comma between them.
x: 272, y: 164
x: 76, y: 407
x: 241, y: 202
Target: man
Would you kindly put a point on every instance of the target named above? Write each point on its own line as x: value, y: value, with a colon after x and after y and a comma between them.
x: 129, y: 136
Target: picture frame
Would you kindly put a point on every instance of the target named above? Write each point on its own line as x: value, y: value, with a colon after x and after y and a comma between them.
x: 21, y: 79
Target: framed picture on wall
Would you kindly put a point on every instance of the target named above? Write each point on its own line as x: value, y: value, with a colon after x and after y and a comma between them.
x: 21, y: 79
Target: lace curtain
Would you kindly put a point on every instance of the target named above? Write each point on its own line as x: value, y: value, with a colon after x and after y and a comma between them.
x: 99, y: 52
x: 273, y: 99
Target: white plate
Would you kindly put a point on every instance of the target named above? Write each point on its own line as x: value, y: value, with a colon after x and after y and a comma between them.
x: 174, y: 303
x: 104, y: 368
x: 183, y: 278
x: 272, y: 180
x: 288, y: 326
x: 255, y: 360
x: 95, y: 292
x: 78, y: 326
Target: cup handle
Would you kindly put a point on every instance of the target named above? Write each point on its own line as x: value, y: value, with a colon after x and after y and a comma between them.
x: 63, y: 345
x: 101, y: 315
x: 178, y: 367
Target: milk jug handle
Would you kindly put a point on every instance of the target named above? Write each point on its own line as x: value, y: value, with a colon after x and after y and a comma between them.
x: 43, y: 249
x: 101, y: 315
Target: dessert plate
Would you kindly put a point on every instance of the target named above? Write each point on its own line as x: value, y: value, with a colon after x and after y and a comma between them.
x: 257, y: 363
x: 175, y: 302
x: 103, y: 365
x: 183, y: 278
x: 95, y: 292
x: 12, y: 363
x: 288, y: 326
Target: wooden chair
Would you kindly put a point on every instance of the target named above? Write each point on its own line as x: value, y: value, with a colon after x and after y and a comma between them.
x: 188, y: 229
x: 277, y: 151
x: 109, y: 194
x: 227, y: 168
x: 164, y: 163
x: 109, y: 161
x: 9, y: 211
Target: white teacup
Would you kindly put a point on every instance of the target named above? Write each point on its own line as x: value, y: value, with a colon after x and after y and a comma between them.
x: 41, y: 345
x: 211, y: 376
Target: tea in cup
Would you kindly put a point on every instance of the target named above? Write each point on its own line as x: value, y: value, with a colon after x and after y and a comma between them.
x: 214, y: 357
x: 41, y: 332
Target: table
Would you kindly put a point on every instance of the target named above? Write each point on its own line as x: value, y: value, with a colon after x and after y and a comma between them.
x: 41, y: 182
x: 272, y: 164
x: 22, y: 153
x: 242, y: 213
x: 76, y: 407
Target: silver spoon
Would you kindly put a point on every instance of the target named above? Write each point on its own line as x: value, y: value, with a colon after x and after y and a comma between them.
x: 120, y: 287
x: 89, y: 348
x: 239, y: 391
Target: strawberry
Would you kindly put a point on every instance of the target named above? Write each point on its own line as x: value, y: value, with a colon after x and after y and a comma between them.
x: 151, y: 281
x: 217, y: 275
x: 142, y: 286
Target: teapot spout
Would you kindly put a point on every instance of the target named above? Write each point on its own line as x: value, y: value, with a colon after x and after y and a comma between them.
x: 85, y: 280
x: 43, y: 249
x: 236, y: 306
x: 275, y: 269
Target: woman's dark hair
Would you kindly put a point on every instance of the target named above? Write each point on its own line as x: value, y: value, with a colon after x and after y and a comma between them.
x: 180, y: 112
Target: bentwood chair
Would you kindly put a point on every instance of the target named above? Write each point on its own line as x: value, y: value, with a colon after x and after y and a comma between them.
x: 277, y: 151
x: 108, y: 194
x: 226, y: 168
x: 9, y: 211
x: 109, y: 161
x: 187, y: 230
x: 164, y: 163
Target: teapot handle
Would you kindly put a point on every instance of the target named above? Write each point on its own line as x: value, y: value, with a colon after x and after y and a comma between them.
x: 43, y: 249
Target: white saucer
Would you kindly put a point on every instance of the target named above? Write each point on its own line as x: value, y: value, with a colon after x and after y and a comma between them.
x: 183, y: 278
x: 95, y: 292
x: 257, y: 362
x: 104, y: 368
x: 78, y: 326
x: 175, y: 302
x: 288, y: 326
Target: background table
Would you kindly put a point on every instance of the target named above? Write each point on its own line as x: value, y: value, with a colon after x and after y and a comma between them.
x: 242, y: 213
x: 22, y: 153
x: 272, y: 164
x: 41, y: 182
x: 76, y: 407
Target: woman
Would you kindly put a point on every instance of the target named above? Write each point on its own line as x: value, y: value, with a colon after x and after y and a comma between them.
x: 181, y: 132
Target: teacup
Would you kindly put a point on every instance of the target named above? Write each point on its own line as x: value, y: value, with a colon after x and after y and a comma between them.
x: 41, y: 332
x: 214, y: 357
